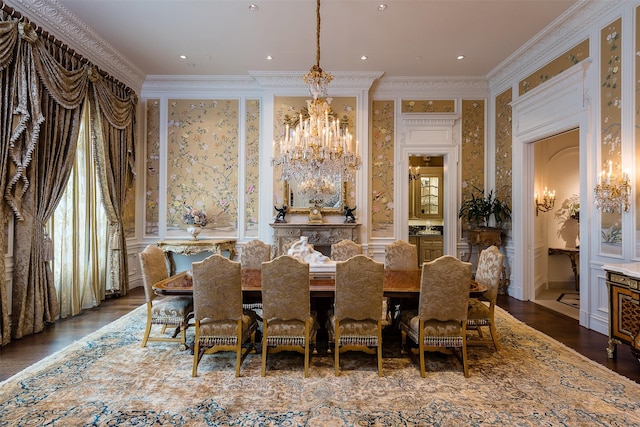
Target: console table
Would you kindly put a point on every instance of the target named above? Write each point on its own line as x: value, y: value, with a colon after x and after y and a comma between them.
x: 321, y: 236
x: 623, y: 283
x: 192, y: 247
x: 573, y: 255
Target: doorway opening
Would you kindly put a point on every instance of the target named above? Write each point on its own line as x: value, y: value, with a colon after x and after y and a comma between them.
x: 557, y: 223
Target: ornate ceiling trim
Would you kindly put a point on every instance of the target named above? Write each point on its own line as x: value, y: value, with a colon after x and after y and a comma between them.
x: 60, y: 23
x: 467, y: 85
x: 561, y: 32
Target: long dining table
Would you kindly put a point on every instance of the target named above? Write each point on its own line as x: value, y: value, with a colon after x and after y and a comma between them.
x: 397, y: 284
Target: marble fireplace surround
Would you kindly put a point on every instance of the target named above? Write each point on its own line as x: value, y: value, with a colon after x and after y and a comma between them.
x: 321, y: 236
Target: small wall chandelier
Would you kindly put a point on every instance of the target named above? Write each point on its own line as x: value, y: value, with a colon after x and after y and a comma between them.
x: 612, y: 191
x: 317, y: 150
x: 547, y: 202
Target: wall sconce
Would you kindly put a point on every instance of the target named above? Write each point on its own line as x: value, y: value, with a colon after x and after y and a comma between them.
x: 612, y: 191
x: 547, y: 203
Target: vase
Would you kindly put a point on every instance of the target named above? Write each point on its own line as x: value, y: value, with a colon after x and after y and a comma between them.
x: 194, y: 230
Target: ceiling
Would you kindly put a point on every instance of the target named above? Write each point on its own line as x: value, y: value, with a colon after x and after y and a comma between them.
x: 224, y: 37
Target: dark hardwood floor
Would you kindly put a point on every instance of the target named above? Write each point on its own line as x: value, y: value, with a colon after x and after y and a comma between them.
x: 29, y: 350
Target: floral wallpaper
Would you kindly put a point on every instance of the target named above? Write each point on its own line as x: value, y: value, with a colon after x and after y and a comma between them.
x: 428, y: 106
x: 382, y: 166
x: 287, y: 107
x: 202, y: 153
x: 252, y: 166
x: 555, y: 67
x: 504, y: 140
x: 152, y: 167
x: 611, y: 117
x: 472, y: 165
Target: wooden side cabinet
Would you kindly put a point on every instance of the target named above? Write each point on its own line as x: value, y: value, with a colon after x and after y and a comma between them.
x: 430, y: 248
x: 624, y: 312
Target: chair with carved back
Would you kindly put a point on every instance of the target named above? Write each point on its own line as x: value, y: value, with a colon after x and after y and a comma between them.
x: 345, y: 249
x: 166, y: 311
x: 253, y: 254
x: 288, y: 323
x: 481, y: 310
x: 356, y: 321
x: 221, y: 322
x: 440, y: 324
x: 399, y: 255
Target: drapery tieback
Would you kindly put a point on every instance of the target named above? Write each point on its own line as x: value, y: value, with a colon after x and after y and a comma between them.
x: 27, y: 32
x: 115, y: 237
x: 47, y: 247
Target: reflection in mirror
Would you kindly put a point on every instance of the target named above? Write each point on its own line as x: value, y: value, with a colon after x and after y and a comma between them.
x: 299, y: 203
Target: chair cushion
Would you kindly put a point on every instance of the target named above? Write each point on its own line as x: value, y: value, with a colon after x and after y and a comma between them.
x: 290, y: 332
x: 214, y: 332
x: 355, y: 332
x: 171, y: 310
x: 436, y: 332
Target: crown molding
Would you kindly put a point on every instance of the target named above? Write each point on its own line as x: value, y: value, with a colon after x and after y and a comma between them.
x: 445, y: 85
x: 199, y: 84
x: 54, y: 18
x: 550, y: 42
x: 354, y: 80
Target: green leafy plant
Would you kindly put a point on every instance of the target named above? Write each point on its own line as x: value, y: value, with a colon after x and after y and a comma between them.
x: 480, y: 208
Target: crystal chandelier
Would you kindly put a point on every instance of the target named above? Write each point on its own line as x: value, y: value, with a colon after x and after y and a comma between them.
x: 612, y: 192
x: 317, y: 150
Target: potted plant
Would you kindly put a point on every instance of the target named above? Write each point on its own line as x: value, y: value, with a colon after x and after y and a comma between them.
x: 480, y: 208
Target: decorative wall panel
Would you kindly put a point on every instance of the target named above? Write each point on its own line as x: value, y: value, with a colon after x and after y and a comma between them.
x: 472, y: 165
x: 202, y: 170
x: 555, y: 67
x: 152, y: 168
x: 428, y: 106
x: 611, y: 120
x: 251, y: 167
x: 503, y: 149
x: 382, y: 168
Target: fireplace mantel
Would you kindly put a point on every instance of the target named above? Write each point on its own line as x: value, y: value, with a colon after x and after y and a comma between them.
x: 321, y: 236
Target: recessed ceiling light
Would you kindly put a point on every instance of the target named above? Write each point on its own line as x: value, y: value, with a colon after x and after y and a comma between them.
x: 269, y: 57
x: 460, y: 57
x: 382, y: 7
x: 253, y: 8
x: 364, y: 57
x: 183, y: 56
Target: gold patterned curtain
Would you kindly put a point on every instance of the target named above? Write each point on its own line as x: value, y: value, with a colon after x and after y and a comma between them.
x: 43, y: 89
x: 113, y: 124
x: 40, y: 182
x: 78, y: 230
x: 8, y: 46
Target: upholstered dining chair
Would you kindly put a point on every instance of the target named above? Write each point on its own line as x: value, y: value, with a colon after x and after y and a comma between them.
x: 356, y: 322
x: 441, y: 320
x: 345, y: 249
x: 221, y: 322
x: 288, y: 324
x: 399, y: 255
x: 166, y: 311
x: 253, y: 254
x: 488, y: 273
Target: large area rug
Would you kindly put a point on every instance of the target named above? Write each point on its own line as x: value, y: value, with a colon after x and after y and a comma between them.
x: 107, y: 379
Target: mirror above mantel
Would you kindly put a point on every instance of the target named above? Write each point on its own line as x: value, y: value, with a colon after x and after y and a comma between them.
x: 300, y: 203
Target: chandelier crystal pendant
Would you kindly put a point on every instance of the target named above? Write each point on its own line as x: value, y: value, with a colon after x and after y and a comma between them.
x: 317, y: 151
